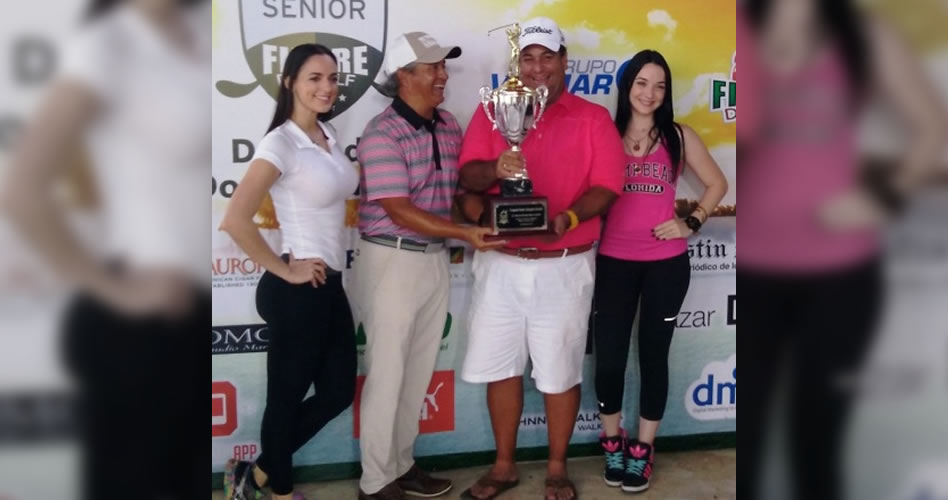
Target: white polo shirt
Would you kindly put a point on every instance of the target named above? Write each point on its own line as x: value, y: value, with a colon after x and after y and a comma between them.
x: 150, y: 142
x: 310, y: 195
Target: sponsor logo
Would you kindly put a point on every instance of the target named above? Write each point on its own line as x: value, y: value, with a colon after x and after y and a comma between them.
x: 707, y: 254
x: 584, y: 76
x: 706, y: 318
x: 236, y: 339
x: 246, y: 452
x: 235, y: 266
x: 235, y: 272
x: 437, y: 409
x: 707, y: 249
x: 223, y: 409
x: 587, y: 421
x: 694, y: 319
x: 355, y: 31
x: 724, y: 94
x: 591, y: 76
x: 535, y: 420
x: 731, y: 310
x: 713, y: 396
x: 536, y: 29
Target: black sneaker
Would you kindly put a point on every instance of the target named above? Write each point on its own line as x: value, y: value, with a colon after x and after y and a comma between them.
x: 638, y: 466
x: 614, y: 448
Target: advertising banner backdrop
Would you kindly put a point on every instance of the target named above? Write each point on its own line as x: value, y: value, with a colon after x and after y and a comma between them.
x: 251, y: 39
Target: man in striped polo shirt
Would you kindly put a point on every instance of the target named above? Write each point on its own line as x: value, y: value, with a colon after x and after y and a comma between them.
x: 409, y: 159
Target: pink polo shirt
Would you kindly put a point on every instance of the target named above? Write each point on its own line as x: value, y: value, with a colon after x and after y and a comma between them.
x: 575, y: 146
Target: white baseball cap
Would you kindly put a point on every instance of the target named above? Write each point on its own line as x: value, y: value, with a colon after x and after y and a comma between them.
x: 542, y: 31
x: 413, y: 47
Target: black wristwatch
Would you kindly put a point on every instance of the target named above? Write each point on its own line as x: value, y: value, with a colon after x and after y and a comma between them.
x: 693, y: 223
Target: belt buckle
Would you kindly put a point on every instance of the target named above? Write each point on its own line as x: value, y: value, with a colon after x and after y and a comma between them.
x: 526, y: 252
x: 434, y: 247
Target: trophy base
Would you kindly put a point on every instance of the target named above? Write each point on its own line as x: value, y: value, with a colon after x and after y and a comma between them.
x: 516, y: 187
x: 517, y: 215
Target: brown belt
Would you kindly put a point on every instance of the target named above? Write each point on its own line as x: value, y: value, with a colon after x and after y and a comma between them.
x: 534, y: 253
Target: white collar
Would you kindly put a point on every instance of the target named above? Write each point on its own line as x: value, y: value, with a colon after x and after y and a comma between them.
x: 302, y: 140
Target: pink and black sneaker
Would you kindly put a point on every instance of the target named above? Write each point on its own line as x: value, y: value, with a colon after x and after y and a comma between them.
x: 639, y: 457
x: 614, y: 448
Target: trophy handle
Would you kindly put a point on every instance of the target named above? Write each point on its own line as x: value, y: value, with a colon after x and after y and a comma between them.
x: 540, y: 103
x: 486, y: 99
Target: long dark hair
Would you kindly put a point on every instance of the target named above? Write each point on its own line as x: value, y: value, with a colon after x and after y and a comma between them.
x: 841, y: 22
x: 291, y: 70
x: 664, y: 127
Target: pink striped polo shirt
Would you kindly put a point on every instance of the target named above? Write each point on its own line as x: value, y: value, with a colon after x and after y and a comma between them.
x: 400, y: 160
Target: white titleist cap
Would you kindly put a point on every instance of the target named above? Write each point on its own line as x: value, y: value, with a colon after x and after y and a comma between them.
x: 542, y: 31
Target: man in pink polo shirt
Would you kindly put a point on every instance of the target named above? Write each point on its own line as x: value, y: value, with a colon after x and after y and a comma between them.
x: 532, y: 298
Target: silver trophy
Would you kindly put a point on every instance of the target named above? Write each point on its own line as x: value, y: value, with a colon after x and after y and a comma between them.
x: 514, y: 109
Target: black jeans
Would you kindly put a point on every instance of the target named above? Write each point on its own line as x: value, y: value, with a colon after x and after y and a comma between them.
x: 662, y: 285
x: 312, y: 342
x: 818, y: 326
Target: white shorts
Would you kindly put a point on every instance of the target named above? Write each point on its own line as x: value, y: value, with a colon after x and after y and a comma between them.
x: 529, y: 309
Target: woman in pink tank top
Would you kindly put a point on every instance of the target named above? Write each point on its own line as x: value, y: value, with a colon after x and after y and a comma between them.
x: 809, y: 275
x: 644, y: 253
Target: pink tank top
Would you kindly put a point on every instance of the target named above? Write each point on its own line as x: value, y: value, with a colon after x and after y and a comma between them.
x: 647, y: 200
x: 801, y: 154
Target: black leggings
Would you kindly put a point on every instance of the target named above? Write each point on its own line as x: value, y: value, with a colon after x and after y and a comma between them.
x: 818, y: 327
x: 140, y: 381
x: 662, y: 285
x: 312, y: 341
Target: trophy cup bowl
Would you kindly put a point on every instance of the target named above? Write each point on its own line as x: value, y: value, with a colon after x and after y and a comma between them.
x: 514, y: 109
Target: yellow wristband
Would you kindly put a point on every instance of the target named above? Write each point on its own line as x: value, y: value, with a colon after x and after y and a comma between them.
x: 573, y: 220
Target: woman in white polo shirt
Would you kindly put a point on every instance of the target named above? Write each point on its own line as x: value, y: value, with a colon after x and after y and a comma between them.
x: 300, y: 296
